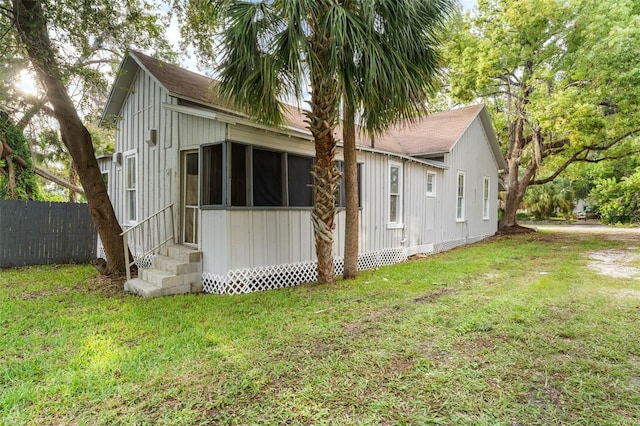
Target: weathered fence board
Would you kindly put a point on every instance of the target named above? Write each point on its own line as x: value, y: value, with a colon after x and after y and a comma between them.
x: 37, y: 233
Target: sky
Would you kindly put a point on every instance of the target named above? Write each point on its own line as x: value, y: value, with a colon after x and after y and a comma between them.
x: 468, y: 4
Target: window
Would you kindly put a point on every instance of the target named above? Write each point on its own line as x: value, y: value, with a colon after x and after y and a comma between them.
x: 131, y: 187
x: 267, y: 178
x: 252, y: 176
x: 460, y: 198
x: 485, y: 198
x: 299, y: 180
x: 212, y: 173
x: 238, y: 186
x: 395, y: 196
x: 431, y: 184
x: 341, y: 196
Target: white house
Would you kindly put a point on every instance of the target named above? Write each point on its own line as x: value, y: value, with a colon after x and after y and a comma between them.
x: 231, y: 197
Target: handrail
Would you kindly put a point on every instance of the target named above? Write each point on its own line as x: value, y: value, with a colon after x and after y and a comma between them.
x: 155, y: 240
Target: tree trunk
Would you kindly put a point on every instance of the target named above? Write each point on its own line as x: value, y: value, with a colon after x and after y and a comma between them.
x: 351, y: 233
x: 11, y: 180
x: 32, y: 29
x: 326, y: 176
x: 515, y: 189
x: 512, y: 203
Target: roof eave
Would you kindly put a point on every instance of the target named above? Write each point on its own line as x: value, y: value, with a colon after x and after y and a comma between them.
x: 119, y: 90
x: 426, y: 161
x: 493, y: 140
x: 428, y: 154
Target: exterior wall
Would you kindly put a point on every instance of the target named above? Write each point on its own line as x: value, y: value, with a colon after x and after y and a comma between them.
x: 471, y: 155
x: 243, y: 238
x: 422, y: 212
x: 156, y: 165
x: 269, y: 236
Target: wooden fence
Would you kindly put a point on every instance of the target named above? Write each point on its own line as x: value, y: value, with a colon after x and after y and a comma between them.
x: 38, y: 233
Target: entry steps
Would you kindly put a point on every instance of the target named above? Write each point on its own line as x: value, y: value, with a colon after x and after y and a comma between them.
x: 179, y: 272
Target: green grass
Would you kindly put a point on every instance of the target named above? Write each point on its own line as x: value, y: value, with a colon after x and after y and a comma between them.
x: 514, y: 331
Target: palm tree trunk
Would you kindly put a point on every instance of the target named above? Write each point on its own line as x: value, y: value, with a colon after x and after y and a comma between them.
x: 351, y: 189
x: 326, y: 176
x: 32, y: 29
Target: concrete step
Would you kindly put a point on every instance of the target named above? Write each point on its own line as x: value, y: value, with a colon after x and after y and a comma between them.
x: 161, y: 278
x: 142, y: 288
x: 179, y: 272
x: 175, y: 266
x: 146, y: 289
x: 184, y: 254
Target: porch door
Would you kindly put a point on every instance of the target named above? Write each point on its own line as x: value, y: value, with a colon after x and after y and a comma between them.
x: 189, y: 195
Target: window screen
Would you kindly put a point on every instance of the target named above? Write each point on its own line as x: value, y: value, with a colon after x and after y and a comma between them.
x: 267, y: 178
x: 238, y: 175
x: 299, y: 178
x: 212, y: 175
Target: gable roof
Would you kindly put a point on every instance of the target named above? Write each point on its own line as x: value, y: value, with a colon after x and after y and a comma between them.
x: 430, y: 135
x: 438, y: 133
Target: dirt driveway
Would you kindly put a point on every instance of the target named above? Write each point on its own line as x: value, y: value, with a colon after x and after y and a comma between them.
x: 589, y: 227
x: 616, y: 263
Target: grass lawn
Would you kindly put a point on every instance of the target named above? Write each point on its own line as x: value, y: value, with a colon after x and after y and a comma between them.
x: 513, y: 331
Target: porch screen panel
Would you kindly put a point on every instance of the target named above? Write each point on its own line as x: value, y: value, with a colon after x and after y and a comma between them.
x: 212, y: 175
x: 299, y: 178
x: 267, y: 178
x: 238, y: 175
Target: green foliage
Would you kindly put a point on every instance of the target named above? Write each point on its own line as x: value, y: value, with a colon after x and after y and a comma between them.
x: 584, y: 176
x: 26, y: 181
x: 618, y: 201
x: 512, y: 331
x: 560, y: 79
x: 95, y: 36
x: 543, y: 201
x: 383, y: 56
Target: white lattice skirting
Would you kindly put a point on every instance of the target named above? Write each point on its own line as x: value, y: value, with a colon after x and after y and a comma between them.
x: 251, y: 280
x: 141, y: 262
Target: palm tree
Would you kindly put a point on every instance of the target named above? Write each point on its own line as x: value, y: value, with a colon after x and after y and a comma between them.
x: 387, y: 80
x: 273, y: 49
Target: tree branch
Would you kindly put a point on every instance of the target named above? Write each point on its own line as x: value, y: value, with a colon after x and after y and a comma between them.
x: 555, y: 145
x: 613, y: 141
x: 559, y: 170
x: 7, y: 151
x: 40, y: 105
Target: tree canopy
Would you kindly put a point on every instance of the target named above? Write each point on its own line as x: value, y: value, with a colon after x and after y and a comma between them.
x: 65, y: 44
x: 560, y: 79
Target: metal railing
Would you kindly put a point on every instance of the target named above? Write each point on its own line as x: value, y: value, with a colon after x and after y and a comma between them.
x: 148, y: 236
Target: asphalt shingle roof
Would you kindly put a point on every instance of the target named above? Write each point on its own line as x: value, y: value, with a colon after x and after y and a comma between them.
x: 433, y: 134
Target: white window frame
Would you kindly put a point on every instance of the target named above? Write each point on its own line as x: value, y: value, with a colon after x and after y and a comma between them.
x: 397, y: 224
x: 126, y: 156
x: 431, y: 193
x: 486, y: 194
x: 460, y: 196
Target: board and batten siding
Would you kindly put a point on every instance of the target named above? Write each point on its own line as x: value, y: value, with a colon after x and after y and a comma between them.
x: 421, y: 212
x: 156, y: 165
x: 473, y: 156
x: 213, y: 232
x: 249, y: 238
